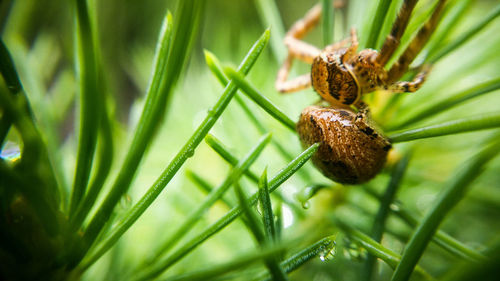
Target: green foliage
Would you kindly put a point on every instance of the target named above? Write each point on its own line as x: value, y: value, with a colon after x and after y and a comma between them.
x: 126, y: 124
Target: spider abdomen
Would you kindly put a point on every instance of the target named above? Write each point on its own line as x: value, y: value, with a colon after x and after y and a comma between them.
x: 351, y: 150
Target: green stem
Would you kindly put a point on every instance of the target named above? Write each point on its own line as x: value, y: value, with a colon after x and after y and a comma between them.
x: 267, y: 209
x: 241, y: 262
x: 260, y: 99
x: 189, y: 246
x: 452, y: 15
x: 105, y: 159
x: 384, y: 209
x: 171, y: 60
x: 327, y: 21
x: 448, y: 103
x: 186, y: 152
x: 480, y: 122
x: 270, y: 16
x: 322, y: 247
x: 13, y: 84
x: 217, y: 145
x: 441, y: 238
x: 464, y: 37
x: 90, y: 105
x: 238, y: 170
x: 454, y: 191
x: 254, y: 226
x: 215, y: 66
x: 390, y: 257
x: 378, y: 22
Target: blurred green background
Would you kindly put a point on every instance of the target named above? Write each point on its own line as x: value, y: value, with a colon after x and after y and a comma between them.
x: 40, y: 36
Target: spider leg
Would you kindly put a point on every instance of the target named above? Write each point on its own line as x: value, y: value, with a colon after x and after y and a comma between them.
x: 300, y: 50
x: 412, y: 86
x: 299, y: 29
x: 351, y: 51
x: 296, y: 84
x: 398, y: 28
x: 363, y: 110
x: 416, y: 45
x: 335, y: 46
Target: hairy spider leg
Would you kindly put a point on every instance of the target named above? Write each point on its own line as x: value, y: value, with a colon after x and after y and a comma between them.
x: 400, y: 67
x: 299, y: 29
x: 351, y: 51
x: 296, y: 84
x: 398, y: 28
x: 304, y: 51
x: 410, y: 86
x: 300, y: 50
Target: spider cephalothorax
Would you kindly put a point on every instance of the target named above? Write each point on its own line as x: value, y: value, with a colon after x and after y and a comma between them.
x: 333, y: 79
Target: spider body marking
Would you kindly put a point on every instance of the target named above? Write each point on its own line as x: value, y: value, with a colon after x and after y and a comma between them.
x: 341, y: 75
x: 352, y: 150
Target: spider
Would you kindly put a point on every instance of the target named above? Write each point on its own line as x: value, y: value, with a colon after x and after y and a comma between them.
x: 352, y: 150
x: 341, y: 75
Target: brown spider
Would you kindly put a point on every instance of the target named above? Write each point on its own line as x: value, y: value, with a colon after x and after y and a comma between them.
x: 340, y: 75
x: 352, y: 150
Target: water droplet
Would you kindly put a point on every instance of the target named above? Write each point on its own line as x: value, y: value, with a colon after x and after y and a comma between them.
x: 395, y: 207
x: 306, y: 204
x: 190, y: 153
x: 329, y: 252
x: 210, y: 111
x: 308, y: 192
x: 126, y: 202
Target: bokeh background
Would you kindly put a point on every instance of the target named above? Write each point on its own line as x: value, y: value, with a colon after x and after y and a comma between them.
x: 40, y: 35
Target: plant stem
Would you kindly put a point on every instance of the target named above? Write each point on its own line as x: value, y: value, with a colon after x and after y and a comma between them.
x: 267, y: 209
x: 465, y: 36
x: 216, y: 145
x: 441, y: 238
x: 105, y: 157
x: 327, y: 21
x: 13, y: 84
x: 241, y: 262
x: 474, y: 123
x: 254, y: 226
x: 186, y: 152
x: 90, y: 105
x: 172, y: 58
x: 390, y: 257
x: 260, y: 99
x: 384, y: 209
x: 322, y: 247
x: 448, y: 103
x: 270, y: 16
x: 378, y: 22
x: 214, y: 65
x: 453, y: 192
x: 215, y: 195
x: 182, y: 252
